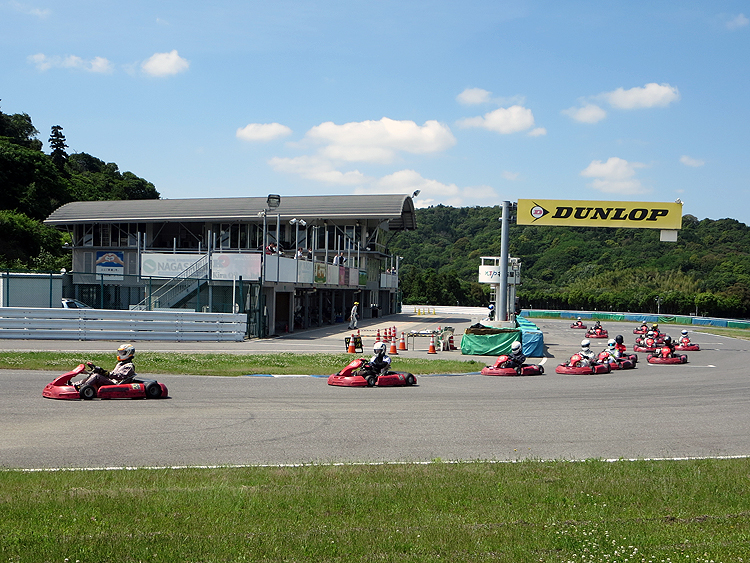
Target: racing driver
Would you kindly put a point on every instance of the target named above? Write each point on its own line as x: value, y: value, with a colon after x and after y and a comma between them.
x: 122, y: 371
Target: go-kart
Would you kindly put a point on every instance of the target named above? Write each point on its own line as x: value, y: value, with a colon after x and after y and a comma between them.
x: 687, y: 346
x: 643, y: 329
x: 359, y: 373
x: 621, y: 363
x: 576, y: 325
x: 500, y: 369
x: 131, y: 388
x: 597, y: 333
x: 665, y: 357
x: 575, y: 367
x: 648, y: 345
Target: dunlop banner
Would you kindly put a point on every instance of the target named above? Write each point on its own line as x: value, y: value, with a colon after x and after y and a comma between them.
x: 629, y: 214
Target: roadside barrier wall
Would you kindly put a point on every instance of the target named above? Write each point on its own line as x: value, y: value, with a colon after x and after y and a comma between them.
x: 638, y: 318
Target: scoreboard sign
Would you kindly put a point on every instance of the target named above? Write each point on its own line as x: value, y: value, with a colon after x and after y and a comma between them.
x: 628, y: 214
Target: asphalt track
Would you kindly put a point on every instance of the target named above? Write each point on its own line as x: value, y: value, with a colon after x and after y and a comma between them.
x: 693, y: 410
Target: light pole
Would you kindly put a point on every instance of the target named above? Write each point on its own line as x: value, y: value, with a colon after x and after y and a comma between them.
x: 272, y: 202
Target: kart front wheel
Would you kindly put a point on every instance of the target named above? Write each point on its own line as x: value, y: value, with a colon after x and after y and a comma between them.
x: 372, y: 380
x: 87, y: 392
x: 410, y: 379
x: 153, y: 391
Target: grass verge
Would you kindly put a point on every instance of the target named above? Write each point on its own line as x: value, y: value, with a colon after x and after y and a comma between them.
x: 593, y: 511
x: 227, y: 364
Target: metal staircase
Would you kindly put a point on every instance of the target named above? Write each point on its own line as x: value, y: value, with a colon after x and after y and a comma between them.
x: 177, y: 288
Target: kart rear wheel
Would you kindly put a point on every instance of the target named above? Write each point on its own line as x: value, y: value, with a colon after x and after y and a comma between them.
x: 541, y: 370
x: 410, y: 379
x: 372, y: 380
x: 87, y: 392
x: 153, y: 390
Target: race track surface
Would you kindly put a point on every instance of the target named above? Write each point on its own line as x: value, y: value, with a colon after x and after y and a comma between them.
x: 697, y: 409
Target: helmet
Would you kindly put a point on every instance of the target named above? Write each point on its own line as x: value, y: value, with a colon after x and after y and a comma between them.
x: 516, y: 346
x: 684, y: 333
x: 650, y: 333
x: 619, y: 339
x: 611, y: 343
x: 667, y: 339
x: 653, y: 326
x: 125, y: 352
x: 356, y: 302
x: 579, y: 318
x: 585, y: 343
x: 379, y: 348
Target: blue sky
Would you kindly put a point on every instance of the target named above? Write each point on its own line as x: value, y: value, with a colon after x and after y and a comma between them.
x: 470, y: 102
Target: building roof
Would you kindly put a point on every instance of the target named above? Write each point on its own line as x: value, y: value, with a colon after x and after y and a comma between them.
x: 397, y: 209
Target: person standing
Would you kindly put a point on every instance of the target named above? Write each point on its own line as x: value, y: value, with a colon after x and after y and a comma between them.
x: 354, y: 315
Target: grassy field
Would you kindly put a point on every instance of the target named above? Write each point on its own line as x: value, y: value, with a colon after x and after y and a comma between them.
x: 592, y: 511
x: 227, y: 364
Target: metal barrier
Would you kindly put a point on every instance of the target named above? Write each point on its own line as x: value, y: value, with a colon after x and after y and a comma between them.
x: 105, y: 324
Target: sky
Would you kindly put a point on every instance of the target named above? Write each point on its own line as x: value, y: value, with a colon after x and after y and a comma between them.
x: 471, y: 102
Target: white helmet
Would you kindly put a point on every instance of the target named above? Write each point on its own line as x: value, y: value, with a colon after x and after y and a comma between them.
x: 579, y: 318
x: 516, y: 346
x: 379, y: 348
x: 684, y: 333
x: 125, y: 352
x: 650, y: 333
x: 611, y: 343
x: 585, y: 343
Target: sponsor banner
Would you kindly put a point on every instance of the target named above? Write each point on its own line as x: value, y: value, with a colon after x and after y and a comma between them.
x: 223, y: 266
x: 629, y: 214
x: 110, y: 265
x: 320, y: 272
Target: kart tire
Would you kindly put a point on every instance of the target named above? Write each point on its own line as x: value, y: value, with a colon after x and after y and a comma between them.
x: 87, y: 392
x: 541, y: 370
x: 153, y: 390
x: 410, y: 379
x: 372, y: 380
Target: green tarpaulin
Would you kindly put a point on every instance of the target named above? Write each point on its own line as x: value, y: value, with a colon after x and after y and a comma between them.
x: 489, y: 344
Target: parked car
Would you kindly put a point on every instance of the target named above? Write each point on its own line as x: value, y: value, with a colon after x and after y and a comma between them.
x: 74, y: 304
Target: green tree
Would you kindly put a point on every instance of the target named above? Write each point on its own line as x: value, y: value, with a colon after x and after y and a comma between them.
x: 58, y: 146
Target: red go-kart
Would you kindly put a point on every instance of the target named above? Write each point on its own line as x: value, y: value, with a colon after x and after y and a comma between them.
x: 621, y: 363
x: 500, y: 369
x: 643, y: 329
x: 687, y: 346
x: 359, y: 374
x: 575, y: 367
x: 665, y: 357
x: 576, y: 325
x: 597, y: 333
x: 132, y: 388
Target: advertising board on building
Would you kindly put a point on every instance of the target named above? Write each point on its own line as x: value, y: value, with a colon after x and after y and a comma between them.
x: 223, y: 266
x: 110, y: 264
x: 627, y: 214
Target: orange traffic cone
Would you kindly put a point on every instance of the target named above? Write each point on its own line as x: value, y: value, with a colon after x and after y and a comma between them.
x: 451, y: 345
x: 351, y: 349
x: 377, y: 336
x: 432, y: 346
x: 394, y: 333
x: 393, y: 351
x: 402, y: 343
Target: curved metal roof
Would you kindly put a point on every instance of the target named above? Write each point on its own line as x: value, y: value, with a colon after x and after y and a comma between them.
x: 397, y: 209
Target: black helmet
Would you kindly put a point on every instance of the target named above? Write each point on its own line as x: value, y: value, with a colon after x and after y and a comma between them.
x: 619, y: 339
x: 667, y: 339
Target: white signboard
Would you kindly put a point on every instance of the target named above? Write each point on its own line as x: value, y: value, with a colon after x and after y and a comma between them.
x: 223, y: 266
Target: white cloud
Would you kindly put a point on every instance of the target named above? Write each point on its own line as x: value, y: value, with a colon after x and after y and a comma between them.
x: 97, y: 64
x: 651, y: 95
x: 738, y: 21
x: 537, y: 132
x: 263, y: 131
x: 614, y: 176
x: 379, y: 141
x: 165, y: 64
x: 31, y: 11
x: 590, y: 113
x: 510, y: 175
x: 502, y: 120
x: 473, y: 96
x: 432, y: 192
x: 319, y: 169
x: 694, y: 162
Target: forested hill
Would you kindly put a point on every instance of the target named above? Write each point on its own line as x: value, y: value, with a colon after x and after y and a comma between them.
x: 707, y: 271
x: 35, y: 183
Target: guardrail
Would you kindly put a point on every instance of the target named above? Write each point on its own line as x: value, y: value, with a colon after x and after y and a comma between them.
x: 637, y: 317
x: 105, y: 324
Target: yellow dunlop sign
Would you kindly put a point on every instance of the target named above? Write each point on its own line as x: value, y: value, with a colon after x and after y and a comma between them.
x: 629, y: 214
